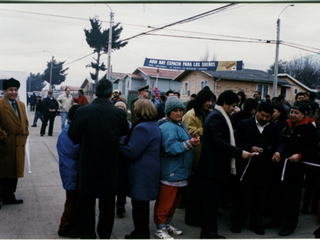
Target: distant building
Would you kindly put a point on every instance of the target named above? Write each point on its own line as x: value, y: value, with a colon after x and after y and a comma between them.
x: 246, y: 80
x: 162, y: 78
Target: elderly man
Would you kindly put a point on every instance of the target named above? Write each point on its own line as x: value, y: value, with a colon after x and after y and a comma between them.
x: 65, y: 101
x: 97, y: 127
x: 13, y: 137
x: 143, y: 94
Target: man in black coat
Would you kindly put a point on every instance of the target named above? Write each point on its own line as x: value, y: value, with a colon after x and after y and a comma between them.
x: 38, y: 113
x: 259, y: 135
x: 50, y: 108
x: 33, y: 101
x: 97, y: 127
x: 218, y: 149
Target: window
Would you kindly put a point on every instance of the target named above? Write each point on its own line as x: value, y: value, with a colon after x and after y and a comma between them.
x: 185, y: 89
x: 295, y: 91
x: 203, y: 84
x: 264, y: 89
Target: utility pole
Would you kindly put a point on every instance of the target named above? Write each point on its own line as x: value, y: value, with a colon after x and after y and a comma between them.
x: 110, y: 46
x: 275, y: 75
x: 50, y: 87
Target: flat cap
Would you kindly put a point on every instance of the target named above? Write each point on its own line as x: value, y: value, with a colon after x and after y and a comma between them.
x: 10, y: 83
x: 143, y: 88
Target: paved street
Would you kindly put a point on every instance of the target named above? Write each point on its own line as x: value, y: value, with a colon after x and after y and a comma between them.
x: 39, y: 216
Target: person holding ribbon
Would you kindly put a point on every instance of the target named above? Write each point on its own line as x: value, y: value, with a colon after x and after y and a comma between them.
x: 301, y: 151
x: 258, y: 135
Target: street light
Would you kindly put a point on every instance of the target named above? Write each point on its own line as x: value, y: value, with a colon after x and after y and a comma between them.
x: 275, y: 77
x: 50, y: 87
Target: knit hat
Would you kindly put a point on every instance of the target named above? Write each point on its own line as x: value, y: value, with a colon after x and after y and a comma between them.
x: 172, y: 103
x: 121, y: 104
x: 300, y: 106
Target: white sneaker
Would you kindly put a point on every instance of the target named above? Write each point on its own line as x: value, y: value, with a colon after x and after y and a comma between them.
x: 173, y: 230
x: 162, y: 234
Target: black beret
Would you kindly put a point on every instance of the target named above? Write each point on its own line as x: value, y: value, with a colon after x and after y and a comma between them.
x: 10, y: 83
x: 143, y: 88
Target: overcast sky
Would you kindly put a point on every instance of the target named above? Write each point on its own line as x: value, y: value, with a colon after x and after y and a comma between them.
x: 29, y: 29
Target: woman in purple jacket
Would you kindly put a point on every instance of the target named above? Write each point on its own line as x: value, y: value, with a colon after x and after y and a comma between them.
x: 142, y: 151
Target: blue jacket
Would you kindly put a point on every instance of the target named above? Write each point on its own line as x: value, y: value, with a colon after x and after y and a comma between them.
x: 143, y: 158
x: 176, y: 160
x: 68, y: 156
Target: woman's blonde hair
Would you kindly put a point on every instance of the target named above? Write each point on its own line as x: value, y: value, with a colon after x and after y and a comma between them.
x: 144, y: 109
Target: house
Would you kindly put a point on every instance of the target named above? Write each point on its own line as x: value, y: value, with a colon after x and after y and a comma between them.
x: 162, y: 78
x: 297, y: 86
x: 246, y: 80
x: 88, y: 87
x: 118, y: 81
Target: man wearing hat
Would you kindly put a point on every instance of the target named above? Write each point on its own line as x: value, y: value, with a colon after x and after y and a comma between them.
x: 13, y: 137
x: 116, y: 96
x: 143, y: 94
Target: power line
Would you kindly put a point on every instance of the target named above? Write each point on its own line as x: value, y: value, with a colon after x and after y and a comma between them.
x: 207, y: 38
x: 80, y: 58
x: 182, y: 21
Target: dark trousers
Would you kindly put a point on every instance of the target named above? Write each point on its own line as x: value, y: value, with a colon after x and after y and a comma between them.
x: 88, y: 215
x: 140, y: 216
x: 45, y: 123
x: 249, y: 198
x: 37, y: 115
x: 69, y: 218
x: 8, y: 187
x: 311, y: 191
x: 286, y: 204
x: 32, y: 107
x: 210, y: 199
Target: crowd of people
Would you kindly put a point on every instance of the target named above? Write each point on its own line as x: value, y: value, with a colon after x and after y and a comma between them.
x: 257, y: 157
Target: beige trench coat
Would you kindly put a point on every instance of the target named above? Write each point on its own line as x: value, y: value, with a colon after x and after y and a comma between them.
x: 13, y: 138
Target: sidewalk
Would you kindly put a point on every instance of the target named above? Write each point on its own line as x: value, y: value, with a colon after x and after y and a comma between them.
x: 39, y: 216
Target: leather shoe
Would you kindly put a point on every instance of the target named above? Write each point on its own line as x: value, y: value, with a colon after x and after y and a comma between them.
x: 317, y: 233
x: 134, y: 235
x: 12, y: 201
x: 236, y: 229
x: 72, y: 233
x: 258, y: 230
x: 33, y: 125
x: 209, y: 236
x: 285, y: 232
x: 271, y: 225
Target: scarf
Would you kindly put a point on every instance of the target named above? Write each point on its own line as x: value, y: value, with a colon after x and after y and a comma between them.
x: 232, y: 141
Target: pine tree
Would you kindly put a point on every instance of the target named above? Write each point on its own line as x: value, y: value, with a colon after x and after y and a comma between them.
x: 98, y: 39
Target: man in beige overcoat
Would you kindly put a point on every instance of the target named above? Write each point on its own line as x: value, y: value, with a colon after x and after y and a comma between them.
x: 13, y: 136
